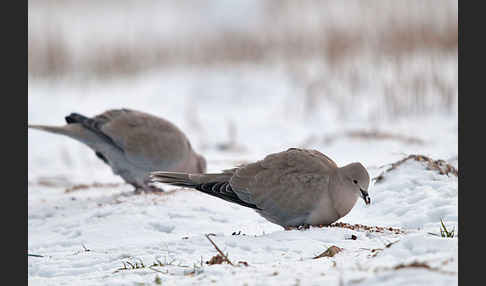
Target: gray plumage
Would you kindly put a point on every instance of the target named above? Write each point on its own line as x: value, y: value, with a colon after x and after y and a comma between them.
x: 291, y: 188
x: 133, y: 144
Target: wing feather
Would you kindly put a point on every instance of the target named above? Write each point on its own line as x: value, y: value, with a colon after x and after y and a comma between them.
x: 284, y: 185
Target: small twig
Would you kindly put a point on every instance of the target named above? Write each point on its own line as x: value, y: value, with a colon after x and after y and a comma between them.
x: 435, y: 234
x: 35, y: 255
x: 392, y: 243
x: 219, y: 250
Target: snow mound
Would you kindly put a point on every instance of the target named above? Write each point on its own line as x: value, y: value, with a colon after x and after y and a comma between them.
x: 410, y: 195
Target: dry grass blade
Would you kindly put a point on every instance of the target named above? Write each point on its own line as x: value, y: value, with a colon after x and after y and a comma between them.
x: 132, y: 266
x: 444, y: 232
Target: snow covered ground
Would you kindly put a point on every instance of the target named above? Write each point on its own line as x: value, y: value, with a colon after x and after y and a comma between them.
x: 235, y: 115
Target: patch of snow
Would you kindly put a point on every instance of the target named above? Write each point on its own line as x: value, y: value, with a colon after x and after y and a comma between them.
x: 86, y: 235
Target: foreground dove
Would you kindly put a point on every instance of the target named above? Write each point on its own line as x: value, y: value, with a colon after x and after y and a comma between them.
x: 292, y: 188
x: 133, y: 144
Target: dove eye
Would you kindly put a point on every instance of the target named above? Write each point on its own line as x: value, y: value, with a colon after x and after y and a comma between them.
x: 354, y: 181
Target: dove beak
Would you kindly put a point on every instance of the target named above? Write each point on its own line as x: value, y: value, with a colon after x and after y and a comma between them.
x: 366, y: 197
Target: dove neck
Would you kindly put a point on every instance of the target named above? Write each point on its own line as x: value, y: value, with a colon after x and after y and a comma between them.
x: 344, y: 195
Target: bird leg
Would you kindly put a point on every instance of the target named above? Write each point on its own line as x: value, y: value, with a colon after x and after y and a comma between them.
x: 153, y: 189
x: 147, y: 189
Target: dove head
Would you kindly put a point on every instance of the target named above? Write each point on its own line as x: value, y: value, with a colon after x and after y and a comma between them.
x: 357, y: 179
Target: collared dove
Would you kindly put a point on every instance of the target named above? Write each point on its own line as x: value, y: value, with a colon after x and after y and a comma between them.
x: 296, y: 187
x: 133, y: 144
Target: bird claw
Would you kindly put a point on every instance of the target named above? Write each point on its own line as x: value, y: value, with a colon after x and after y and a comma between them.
x: 299, y: 227
x: 303, y: 226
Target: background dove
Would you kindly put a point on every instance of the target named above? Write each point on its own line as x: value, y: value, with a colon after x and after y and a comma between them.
x: 133, y: 144
x: 291, y: 188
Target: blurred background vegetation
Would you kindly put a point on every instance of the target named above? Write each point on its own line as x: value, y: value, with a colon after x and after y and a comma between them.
x: 125, y: 36
x: 406, y: 47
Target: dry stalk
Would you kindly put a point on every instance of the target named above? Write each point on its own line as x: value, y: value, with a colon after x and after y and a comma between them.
x: 225, y: 258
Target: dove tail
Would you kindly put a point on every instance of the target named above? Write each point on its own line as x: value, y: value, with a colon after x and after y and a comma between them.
x: 188, y: 180
x: 64, y: 130
x: 75, y: 118
x: 216, y: 185
x: 172, y: 178
x: 52, y: 129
